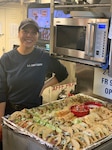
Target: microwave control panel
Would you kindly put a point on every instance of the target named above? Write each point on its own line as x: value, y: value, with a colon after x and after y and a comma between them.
x: 100, y: 40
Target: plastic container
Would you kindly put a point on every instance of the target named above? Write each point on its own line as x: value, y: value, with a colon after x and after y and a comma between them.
x: 91, y: 104
x: 80, y: 110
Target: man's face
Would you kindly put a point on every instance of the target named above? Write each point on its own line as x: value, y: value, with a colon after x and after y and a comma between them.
x: 28, y: 36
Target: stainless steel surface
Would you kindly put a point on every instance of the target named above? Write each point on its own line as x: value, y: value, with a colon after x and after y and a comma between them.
x: 92, y: 14
x: 83, y: 5
x: 88, y: 52
x: 105, y: 146
x: 80, y: 61
x: 51, y: 26
x: 93, y: 1
x: 103, y: 5
x: 13, y: 141
x: 85, y: 78
x: 16, y: 141
x: 90, y: 40
x: 110, y: 65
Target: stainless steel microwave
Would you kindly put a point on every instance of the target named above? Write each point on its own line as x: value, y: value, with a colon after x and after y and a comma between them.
x: 83, y: 38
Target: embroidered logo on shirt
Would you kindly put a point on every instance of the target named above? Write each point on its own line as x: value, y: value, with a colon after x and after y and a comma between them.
x: 34, y: 65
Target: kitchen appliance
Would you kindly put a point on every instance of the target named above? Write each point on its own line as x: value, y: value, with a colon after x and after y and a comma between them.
x: 84, y: 38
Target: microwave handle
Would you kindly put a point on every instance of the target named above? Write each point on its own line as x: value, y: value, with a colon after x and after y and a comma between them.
x: 89, y: 46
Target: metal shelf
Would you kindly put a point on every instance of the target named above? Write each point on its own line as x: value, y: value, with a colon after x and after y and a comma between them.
x: 81, y: 5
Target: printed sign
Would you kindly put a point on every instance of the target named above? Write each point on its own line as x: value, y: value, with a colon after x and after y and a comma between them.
x: 51, y: 93
x: 102, y: 84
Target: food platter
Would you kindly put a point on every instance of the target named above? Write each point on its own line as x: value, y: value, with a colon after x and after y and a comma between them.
x: 63, y: 127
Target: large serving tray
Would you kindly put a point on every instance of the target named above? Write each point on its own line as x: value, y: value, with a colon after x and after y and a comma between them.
x: 78, y: 97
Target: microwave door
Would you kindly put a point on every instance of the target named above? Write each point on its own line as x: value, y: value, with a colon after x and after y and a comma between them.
x: 89, y: 44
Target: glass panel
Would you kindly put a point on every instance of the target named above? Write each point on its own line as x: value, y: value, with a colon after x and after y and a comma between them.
x: 72, y: 37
